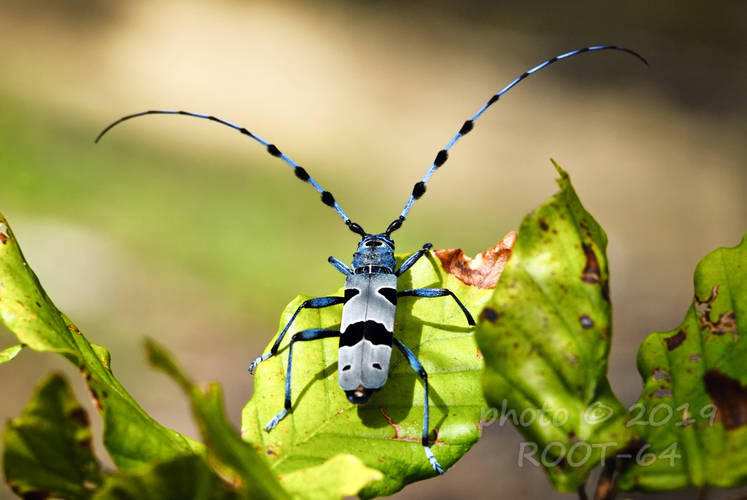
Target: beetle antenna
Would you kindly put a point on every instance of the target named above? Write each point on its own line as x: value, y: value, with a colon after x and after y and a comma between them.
x: 443, y: 155
x: 300, y: 172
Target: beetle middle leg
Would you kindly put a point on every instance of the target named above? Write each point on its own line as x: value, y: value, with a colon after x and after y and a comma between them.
x: 310, y: 334
x: 317, y: 303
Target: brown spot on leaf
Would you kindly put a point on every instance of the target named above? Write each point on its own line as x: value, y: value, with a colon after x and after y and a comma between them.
x: 398, y: 432
x: 660, y: 374
x: 729, y: 397
x: 591, y: 273
x: 80, y: 415
x: 489, y: 314
x: 73, y: 329
x: 479, y: 354
x: 675, y: 340
x: 4, y: 235
x: 97, y: 398
x: 273, y: 450
x: 33, y: 495
x: 726, y: 323
x: 573, y: 359
x: 484, y: 270
x: 543, y: 225
x: 664, y: 392
x: 586, y: 322
x: 694, y: 357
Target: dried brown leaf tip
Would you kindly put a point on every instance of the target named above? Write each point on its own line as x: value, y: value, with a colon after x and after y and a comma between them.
x: 484, y: 270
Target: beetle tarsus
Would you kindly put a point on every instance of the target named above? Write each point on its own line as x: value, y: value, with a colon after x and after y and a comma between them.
x: 275, y: 420
x: 432, y: 459
x: 258, y: 361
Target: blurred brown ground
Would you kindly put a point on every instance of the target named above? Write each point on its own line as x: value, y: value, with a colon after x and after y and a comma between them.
x: 366, y: 94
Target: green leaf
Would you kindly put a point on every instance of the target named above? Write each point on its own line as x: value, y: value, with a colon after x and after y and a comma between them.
x: 341, y: 476
x: 545, y: 335
x: 47, y: 450
x: 225, y: 449
x: 130, y: 435
x: 10, y: 353
x: 183, y: 477
x: 693, y: 411
x: 386, y: 433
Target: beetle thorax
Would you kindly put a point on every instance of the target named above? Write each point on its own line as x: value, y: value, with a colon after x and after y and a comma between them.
x: 375, y: 254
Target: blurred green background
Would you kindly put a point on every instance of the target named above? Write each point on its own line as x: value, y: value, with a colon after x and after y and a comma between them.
x: 184, y: 231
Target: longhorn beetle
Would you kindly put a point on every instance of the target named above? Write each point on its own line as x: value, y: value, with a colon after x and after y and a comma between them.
x: 369, y: 304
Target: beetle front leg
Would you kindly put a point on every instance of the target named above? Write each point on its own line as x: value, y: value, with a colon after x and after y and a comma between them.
x: 340, y: 266
x: 412, y: 260
x: 437, y: 292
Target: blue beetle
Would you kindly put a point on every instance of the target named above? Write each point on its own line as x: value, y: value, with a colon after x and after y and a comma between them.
x: 367, y: 327
x: 369, y: 305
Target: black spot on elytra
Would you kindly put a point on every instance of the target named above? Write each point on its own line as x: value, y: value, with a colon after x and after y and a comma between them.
x: 389, y: 294
x: 374, y: 332
x: 350, y: 293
